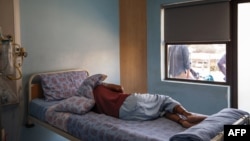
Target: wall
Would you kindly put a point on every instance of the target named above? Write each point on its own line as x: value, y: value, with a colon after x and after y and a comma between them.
x: 198, y: 98
x: 63, y: 34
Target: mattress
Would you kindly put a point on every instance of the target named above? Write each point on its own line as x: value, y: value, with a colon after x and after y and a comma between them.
x: 92, y: 126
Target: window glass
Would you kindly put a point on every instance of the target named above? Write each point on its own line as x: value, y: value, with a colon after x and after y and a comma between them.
x: 199, y: 62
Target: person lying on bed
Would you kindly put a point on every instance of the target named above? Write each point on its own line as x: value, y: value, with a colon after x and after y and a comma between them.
x: 111, y: 100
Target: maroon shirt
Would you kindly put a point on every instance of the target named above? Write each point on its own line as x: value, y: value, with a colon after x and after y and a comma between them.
x: 107, y: 101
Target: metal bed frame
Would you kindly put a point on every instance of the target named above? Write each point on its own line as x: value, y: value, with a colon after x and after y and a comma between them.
x: 245, y: 120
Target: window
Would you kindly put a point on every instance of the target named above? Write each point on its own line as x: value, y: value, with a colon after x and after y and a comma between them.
x: 202, y: 62
x: 201, y: 32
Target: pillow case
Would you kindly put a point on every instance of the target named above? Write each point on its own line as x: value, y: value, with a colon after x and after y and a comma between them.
x: 58, y: 86
x: 75, y: 104
x: 87, y: 86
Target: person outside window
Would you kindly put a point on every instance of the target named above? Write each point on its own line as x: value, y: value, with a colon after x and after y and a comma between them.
x: 179, y: 62
x: 222, y: 65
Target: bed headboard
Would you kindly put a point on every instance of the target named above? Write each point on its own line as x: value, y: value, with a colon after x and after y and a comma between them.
x: 35, y: 88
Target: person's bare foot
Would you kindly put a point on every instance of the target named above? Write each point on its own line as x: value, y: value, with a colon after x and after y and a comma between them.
x: 185, y: 123
x: 181, y: 111
x: 195, y: 118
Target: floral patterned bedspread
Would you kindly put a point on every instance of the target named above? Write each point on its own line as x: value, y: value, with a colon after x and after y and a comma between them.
x: 99, y: 127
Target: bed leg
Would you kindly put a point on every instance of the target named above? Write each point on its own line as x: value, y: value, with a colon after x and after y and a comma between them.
x: 29, y: 124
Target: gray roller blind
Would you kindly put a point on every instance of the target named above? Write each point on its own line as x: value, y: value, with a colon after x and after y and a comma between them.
x: 197, y: 22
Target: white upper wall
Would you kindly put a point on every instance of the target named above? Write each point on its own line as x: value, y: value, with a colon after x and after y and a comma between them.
x: 65, y: 34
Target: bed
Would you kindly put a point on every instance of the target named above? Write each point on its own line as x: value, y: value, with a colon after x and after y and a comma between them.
x: 91, y: 126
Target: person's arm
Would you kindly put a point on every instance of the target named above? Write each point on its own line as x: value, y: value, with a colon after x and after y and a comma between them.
x: 186, y: 62
x: 114, y: 87
x: 222, y: 64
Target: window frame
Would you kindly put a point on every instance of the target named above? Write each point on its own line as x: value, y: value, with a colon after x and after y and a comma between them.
x: 228, y: 63
x: 234, y: 63
x: 229, y: 49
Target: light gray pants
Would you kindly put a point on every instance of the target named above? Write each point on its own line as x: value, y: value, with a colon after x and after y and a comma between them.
x: 146, y: 106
